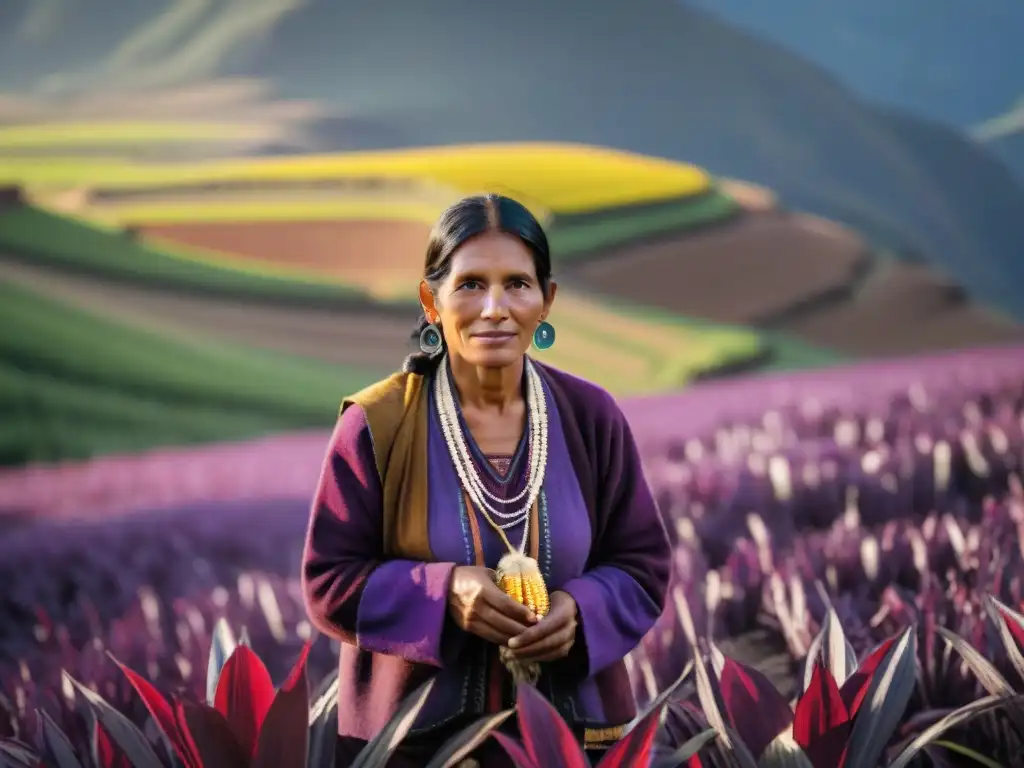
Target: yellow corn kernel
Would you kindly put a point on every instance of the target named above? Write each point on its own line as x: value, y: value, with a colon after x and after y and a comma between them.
x: 521, y: 579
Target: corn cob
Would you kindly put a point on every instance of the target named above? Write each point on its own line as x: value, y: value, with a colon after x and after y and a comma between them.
x: 521, y: 579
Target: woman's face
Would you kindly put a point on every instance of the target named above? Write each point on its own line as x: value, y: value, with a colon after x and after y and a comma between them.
x: 491, y: 302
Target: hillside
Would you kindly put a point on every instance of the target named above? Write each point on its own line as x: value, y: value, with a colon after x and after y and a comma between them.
x: 683, y: 78
x: 651, y: 76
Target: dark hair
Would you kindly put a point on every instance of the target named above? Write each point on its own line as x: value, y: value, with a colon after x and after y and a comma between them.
x: 462, y: 221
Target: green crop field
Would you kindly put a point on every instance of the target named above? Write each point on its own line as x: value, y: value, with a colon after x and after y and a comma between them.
x: 69, y: 372
x: 57, y: 241
x: 577, y: 237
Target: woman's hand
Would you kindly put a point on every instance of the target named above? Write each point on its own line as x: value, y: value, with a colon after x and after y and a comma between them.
x: 553, y: 636
x: 478, y: 606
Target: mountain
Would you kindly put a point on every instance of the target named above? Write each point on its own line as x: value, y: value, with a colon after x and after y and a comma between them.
x: 949, y: 61
x: 656, y: 77
x: 651, y: 76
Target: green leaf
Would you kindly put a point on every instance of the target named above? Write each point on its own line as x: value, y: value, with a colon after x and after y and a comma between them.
x: 465, y: 741
x: 988, y: 762
x: 953, y: 719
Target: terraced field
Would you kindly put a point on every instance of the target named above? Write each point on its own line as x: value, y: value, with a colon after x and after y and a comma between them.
x: 333, y: 300
x: 75, y: 383
x: 557, y: 178
x: 801, y: 276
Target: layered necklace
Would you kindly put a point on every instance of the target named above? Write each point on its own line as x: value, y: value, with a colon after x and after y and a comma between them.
x: 518, y: 575
x: 469, y: 477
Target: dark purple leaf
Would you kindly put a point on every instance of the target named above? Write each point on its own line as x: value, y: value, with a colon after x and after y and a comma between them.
x: 465, y: 741
x: 821, y: 725
x: 635, y: 747
x: 244, y: 695
x: 959, y: 717
x: 547, y: 738
x: 687, y: 753
x: 386, y: 742
x: 108, y: 753
x: 160, y: 710
x: 119, y: 728
x: 283, y: 740
x: 215, y: 742
x: 883, y: 706
x: 515, y: 751
x: 856, y: 686
x: 58, y: 743
x: 757, y: 710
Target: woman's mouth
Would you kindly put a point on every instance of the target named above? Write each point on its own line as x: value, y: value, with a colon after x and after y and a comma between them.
x: 494, y: 338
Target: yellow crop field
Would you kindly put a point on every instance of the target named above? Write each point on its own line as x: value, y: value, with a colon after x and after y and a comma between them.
x: 630, y: 354
x: 559, y: 178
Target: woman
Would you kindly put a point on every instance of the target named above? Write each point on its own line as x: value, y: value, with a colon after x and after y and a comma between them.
x: 472, y: 453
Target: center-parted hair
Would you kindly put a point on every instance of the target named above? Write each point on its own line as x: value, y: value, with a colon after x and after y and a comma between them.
x: 466, y: 219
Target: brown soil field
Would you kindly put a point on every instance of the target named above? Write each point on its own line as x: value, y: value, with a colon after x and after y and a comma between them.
x: 900, y: 308
x: 378, y: 256
x: 376, y: 341
x: 741, y: 272
x: 799, y: 275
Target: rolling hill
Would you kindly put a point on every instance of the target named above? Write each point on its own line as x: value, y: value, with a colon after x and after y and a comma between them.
x: 652, y: 76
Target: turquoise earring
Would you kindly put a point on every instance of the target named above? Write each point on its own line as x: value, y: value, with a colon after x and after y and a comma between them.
x: 544, y: 336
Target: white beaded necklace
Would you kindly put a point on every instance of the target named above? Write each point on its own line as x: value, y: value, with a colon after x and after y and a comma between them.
x: 462, y: 458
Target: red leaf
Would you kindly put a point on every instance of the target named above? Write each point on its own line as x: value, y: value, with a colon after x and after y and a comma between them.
x: 162, y: 714
x: 244, y: 695
x: 758, y: 711
x: 549, y: 741
x: 856, y: 686
x: 108, y: 755
x: 1012, y: 623
x: 515, y: 750
x: 283, y: 740
x: 214, y: 741
x: 635, y: 747
x: 822, y: 723
x: 299, y: 668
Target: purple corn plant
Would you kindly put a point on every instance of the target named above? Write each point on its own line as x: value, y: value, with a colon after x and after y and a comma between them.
x: 847, y: 715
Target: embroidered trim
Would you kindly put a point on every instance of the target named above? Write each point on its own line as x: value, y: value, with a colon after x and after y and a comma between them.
x: 596, y: 737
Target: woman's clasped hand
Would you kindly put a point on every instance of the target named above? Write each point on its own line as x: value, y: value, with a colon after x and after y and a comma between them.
x: 478, y: 606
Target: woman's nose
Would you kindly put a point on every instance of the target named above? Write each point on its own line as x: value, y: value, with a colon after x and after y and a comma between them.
x: 494, y: 305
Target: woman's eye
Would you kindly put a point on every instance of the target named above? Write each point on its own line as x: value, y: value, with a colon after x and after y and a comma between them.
x: 518, y: 284
x: 470, y: 285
